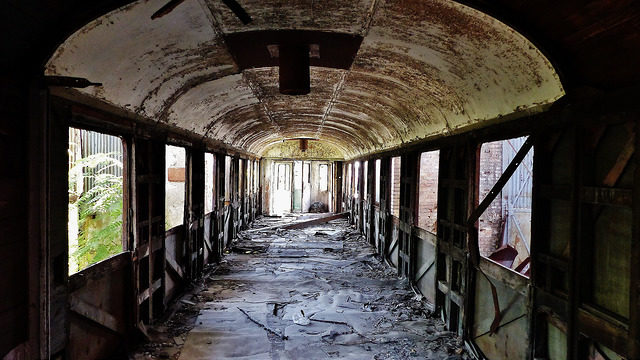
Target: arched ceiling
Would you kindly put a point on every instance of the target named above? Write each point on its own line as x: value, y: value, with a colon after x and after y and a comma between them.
x: 423, y: 69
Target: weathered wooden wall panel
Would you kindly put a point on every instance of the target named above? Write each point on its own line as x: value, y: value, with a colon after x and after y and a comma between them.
x: 101, y: 306
x: 425, y: 274
x: 208, y: 238
x: 175, y: 254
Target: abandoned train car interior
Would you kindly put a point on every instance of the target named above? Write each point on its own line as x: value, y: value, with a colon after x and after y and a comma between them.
x: 350, y: 179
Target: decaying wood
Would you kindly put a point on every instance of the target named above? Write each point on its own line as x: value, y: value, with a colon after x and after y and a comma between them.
x: 174, y: 266
x: 93, y: 313
x: 621, y: 162
x: 304, y: 223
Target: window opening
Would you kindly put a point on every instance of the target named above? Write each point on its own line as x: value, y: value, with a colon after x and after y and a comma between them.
x: 95, y: 197
x: 504, y: 229
x: 175, y: 186
x: 240, y: 177
x: 227, y: 179
x: 395, y: 186
x: 377, y: 180
x: 348, y: 184
x: 356, y: 182
x: 209, y: 182
x: 323, y: 170
x: 366, y: 179
x: 256, y: 176
x: 428, y: 191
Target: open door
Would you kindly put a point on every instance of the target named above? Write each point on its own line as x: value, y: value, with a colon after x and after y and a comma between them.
x: 281, y: 187
x: 297, y: 186
x: 306, y: 186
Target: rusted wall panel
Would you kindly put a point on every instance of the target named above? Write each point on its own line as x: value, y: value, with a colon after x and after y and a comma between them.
x: 511, y: 341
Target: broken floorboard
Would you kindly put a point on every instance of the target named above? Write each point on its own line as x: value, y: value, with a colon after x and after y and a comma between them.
x: 315, y: 293
x: 303, y: 223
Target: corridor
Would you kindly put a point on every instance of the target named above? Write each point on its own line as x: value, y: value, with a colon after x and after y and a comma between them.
x: 478, y: 159
x: 314, y: 293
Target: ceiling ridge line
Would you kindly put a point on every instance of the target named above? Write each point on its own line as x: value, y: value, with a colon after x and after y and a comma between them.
x: 373, y: 9
x: 366, y: 26
x: 217, y: 29
x: 265, y: 108
x: 334, y: 97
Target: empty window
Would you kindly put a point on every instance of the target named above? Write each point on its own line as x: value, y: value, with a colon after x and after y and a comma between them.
x: 377, y: 180
x: 366, y: 179
x: 395, y: 186
x: 239, y: 176
x: 504, y: 229
x: 284, y: 177
x: 209, y: 182
x: 348, y: 181
x: 356, y: 182
x: 428, y: 191
x: 95, y: 197
x: 249, y: 171
x: 227, y: 179
x: 256, y: 176
x: 323, y: 172
x: 175, y: 186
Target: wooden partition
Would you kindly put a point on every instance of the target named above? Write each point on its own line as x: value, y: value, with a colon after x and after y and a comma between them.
x: 101, y: 306
x: 148, y: 216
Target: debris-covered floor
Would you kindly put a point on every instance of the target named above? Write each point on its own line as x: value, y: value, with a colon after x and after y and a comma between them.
x: 315, y: 293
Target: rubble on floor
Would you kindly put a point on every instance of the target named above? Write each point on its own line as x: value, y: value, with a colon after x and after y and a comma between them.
x: 314, y: 293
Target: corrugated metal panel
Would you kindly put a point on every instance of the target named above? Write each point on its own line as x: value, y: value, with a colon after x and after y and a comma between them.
x: 517, y: 193
x: 92, y: 143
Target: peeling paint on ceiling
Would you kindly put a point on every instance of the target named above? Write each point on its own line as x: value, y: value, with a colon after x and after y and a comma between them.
x: 424, y: 69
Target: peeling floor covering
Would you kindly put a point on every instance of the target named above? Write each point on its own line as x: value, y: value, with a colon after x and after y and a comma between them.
x: 255, y: 304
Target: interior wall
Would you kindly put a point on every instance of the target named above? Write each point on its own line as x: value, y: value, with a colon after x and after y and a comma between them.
x: 577, y: 303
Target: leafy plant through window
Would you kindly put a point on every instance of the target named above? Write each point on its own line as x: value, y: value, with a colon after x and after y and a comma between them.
x: 95, y: 198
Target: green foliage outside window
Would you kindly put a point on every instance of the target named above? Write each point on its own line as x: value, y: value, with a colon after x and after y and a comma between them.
x: 99, y: 208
